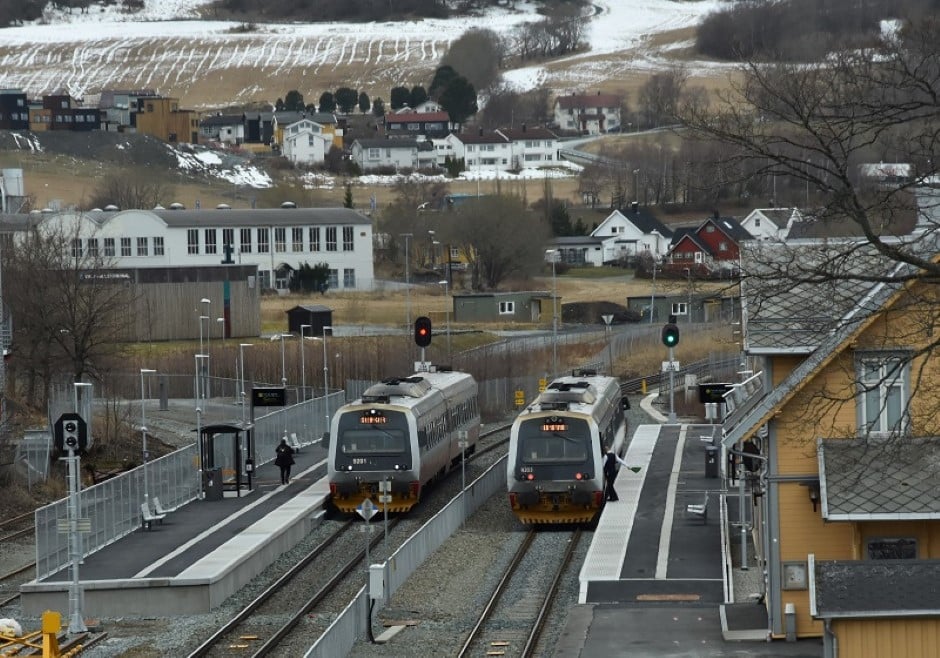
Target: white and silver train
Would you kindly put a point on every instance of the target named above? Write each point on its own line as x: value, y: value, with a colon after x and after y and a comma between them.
x: 405, y: 431
x: 555, y: 469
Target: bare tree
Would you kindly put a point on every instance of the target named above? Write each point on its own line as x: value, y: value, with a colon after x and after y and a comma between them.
x: 128, y: 191
x: 69, y: 307
x: 477, y: 55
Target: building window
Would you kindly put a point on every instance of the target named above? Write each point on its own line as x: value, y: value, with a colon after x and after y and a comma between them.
x: 228, y: 240
x: 892, y: 548
x: 331, y: 238
x: 347, y: 238
x: 507, y: 308
x: 93, y: 247
x: 245, y: 241
x: 297, y: 239
x: 314, y: 236
x: 210, y: 241
x: 883, y: 384
x: 349, y: 278
x: 280, y: 240
x: 143, y: 247
x: 192, y: 241
x: 679, y: 308
x: 375, y: 154
x: 158, y: 246
x: 109, y: 247
x: 126, y: 247
x: 76, y: 247
x: 263, y: 246
x: 333, y: 279
x: 722, y: 246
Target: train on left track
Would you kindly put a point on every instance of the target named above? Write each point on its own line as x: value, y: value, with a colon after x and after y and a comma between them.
x: 405, y: 431
x: 555, y: 467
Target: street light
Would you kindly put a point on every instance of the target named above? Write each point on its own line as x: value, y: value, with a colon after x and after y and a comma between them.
x: 203, y: 365
x: 688, y: 274
x: 206, y: 392
x: 447, y: 309
x: 143, y: 429
x: 552, y: 253
x: 241, y: 354
x: 283, y: 360
x: 326, y: 380
x: 303, y: 365
x: 221, y: 322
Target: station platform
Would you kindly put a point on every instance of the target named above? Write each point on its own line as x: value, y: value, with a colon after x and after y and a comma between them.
x: 199, y: 554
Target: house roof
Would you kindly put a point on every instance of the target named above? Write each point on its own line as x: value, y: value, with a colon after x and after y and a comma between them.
x: 729, y: 226
x: 879, y: 480
x: 312, y: 308
x: 779, y: 217
x: 481, y: 137
x: 222, y: 120
x: 579, y: 101
x: 286, y: 118
x: 522, y: 134
x: 418, y: 117
x: 383, y: 143
x: 642, y: 219
x: 254, y: 217
x: 574, y: 240
x: 874, y: 588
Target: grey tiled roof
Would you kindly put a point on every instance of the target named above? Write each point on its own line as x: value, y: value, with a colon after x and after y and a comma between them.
x: 876, y: 588
x: 880, y: 479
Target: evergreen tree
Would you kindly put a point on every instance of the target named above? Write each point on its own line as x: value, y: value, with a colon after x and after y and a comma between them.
x: 400, y: 97
x: 378, y: 107
x: 327, y: 102
x: 364, y: 103
x: 348, y: 197
x: 418, y: 95
x: 293, y: 101
x: 459, y: 99
x: 346, y: 99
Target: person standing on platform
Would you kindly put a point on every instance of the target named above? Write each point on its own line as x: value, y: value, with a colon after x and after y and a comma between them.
x: 610, y: 473
x: 284, y: 460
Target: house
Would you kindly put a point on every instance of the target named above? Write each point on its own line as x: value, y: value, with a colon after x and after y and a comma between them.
x: 588, y: 114
x: 630, y: 232
x: 259, y: 127
x: 309, y: 319
x: 531, y: 147
x: 61, y: 112
x: 164, y: 119
x: 710, y: 249
x: 840, y: 444
x: 306, y: 142
x: 770, y: 223
x: 483, y: 151
x: 226, y: 128
x: 505, y: 307
x: 327, y: 121
x: 418, y: 124
x: 276, y: 241
x: 14, y: 110
x: 373, y: 154
x: 887, y: 174
x: 119, y: 107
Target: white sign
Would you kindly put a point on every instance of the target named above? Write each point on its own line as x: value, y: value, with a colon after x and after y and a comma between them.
x: 607, y: 319
x: 367, y: 509
x: 422, y: 366
x: 670, y: 366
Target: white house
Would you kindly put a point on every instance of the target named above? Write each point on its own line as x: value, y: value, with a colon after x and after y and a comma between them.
x: 402, y: 153
x: 771, y: 223
x: 225, y: 128
x: 306, y: 142
x: 590, y: 114
x: 622, y: 236
x: 531, y: 147
x: 485, y: 151
x: 275, y: 240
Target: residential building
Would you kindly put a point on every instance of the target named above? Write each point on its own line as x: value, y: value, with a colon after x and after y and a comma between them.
x: 531, y: 147
x: 164, y: 119
x: 770, y: 223
x: 14, y: 110
x: 588, y: 114
x: 374, y: 154
x: 118, y: 107
x: 505, y: 307
x: 709, y: 249
x: 276, y: 241
x: 839, y: 441
x: 484, y: 151
x: 418, y: 124
x: 306, y: 142
x: 327, y: 121
x: 259, y: 127
x: 225, y: 128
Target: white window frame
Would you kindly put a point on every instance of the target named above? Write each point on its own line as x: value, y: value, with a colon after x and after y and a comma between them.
x: 507, y: 308
x: 883, y: 390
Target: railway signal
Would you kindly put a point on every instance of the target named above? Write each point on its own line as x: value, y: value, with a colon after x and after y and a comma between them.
x: 670, y: 333
x: 423, y: 331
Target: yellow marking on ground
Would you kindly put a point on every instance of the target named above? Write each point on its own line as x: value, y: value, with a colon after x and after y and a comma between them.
x: 249, y: 637
x: 668, y: 597
x: 499, y: 643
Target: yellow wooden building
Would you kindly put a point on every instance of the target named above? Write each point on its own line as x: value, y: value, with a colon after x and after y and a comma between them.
x: 163, y: 118
x: 845, y: 445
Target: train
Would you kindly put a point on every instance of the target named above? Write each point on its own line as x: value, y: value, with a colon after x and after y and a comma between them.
x: 405, y: 431
x: 555, y: 466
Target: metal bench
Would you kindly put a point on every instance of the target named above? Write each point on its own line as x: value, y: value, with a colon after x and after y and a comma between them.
x: 699, y: 510
x: 149, y: 517
x: 294, y: 442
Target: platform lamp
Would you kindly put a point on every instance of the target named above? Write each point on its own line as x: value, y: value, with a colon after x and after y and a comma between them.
x: 143, y: 429
x: 326, y: 379
x: 303, y: 363
x: 241, y: 354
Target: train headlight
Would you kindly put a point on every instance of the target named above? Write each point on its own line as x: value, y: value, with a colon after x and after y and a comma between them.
x: 578, y: 476
x: 349, y: 468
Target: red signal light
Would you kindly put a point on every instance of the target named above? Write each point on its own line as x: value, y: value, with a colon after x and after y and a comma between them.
x: 530, y: 476
x: 578, y: 476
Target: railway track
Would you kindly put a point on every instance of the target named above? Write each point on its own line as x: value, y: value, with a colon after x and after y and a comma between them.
x: 511, y: 623
x: 24, y: 520
x: 12, y: 581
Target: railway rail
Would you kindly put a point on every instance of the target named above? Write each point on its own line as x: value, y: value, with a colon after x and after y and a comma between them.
x: 522, y: 616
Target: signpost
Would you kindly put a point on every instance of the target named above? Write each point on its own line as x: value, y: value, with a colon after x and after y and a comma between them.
x: 462, y: 444
x: 520, y: 398
x: 366, y: 510
x: 385, y: 497
x: 70, y: 433
x: 608, y: 318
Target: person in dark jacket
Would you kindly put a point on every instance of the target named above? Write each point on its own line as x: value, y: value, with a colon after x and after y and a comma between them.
x: 610, y: 473
x: 284, y: 460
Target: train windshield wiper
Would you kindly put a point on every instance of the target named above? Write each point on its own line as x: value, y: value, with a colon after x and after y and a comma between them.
x: 566, y: 438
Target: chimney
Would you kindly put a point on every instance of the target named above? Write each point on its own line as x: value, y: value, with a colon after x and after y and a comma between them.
x: 635, y: 206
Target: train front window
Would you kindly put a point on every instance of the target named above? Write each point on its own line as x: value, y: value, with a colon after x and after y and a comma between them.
x: 561, y: 441
x: 372, y: 433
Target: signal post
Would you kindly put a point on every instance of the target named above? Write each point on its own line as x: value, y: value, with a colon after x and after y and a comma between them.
x: 670, y: 338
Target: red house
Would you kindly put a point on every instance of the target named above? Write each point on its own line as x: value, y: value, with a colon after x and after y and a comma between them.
x: 707, y: 250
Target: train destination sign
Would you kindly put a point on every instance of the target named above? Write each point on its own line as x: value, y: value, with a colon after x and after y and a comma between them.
x: 269, y: 397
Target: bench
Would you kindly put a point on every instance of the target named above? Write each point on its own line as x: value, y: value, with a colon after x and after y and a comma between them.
x: 699, y: 510
x: 149, y: 517
x: 294, y: 442
x: 158, y: 507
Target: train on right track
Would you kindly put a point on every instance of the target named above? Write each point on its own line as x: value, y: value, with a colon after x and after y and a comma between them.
x: 555, y: 468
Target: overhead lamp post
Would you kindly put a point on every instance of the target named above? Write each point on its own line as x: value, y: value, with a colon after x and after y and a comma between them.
x: 326, y: 380
x: 303, y: 364
x: 241, y: 354
x: 552, y: 253
x: 221, y: 322
x: 283, y: 359
x: 688, y: 275
x: 444, y: 283
x: 203, y: 364
x: 206, y: 392
x: 143, y: 430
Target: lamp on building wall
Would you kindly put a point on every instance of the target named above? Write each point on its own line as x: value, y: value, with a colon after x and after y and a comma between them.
x: 813, y: 487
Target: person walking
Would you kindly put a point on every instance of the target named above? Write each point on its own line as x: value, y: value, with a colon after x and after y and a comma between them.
x: 610, y: 473
x: 284, y: 460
